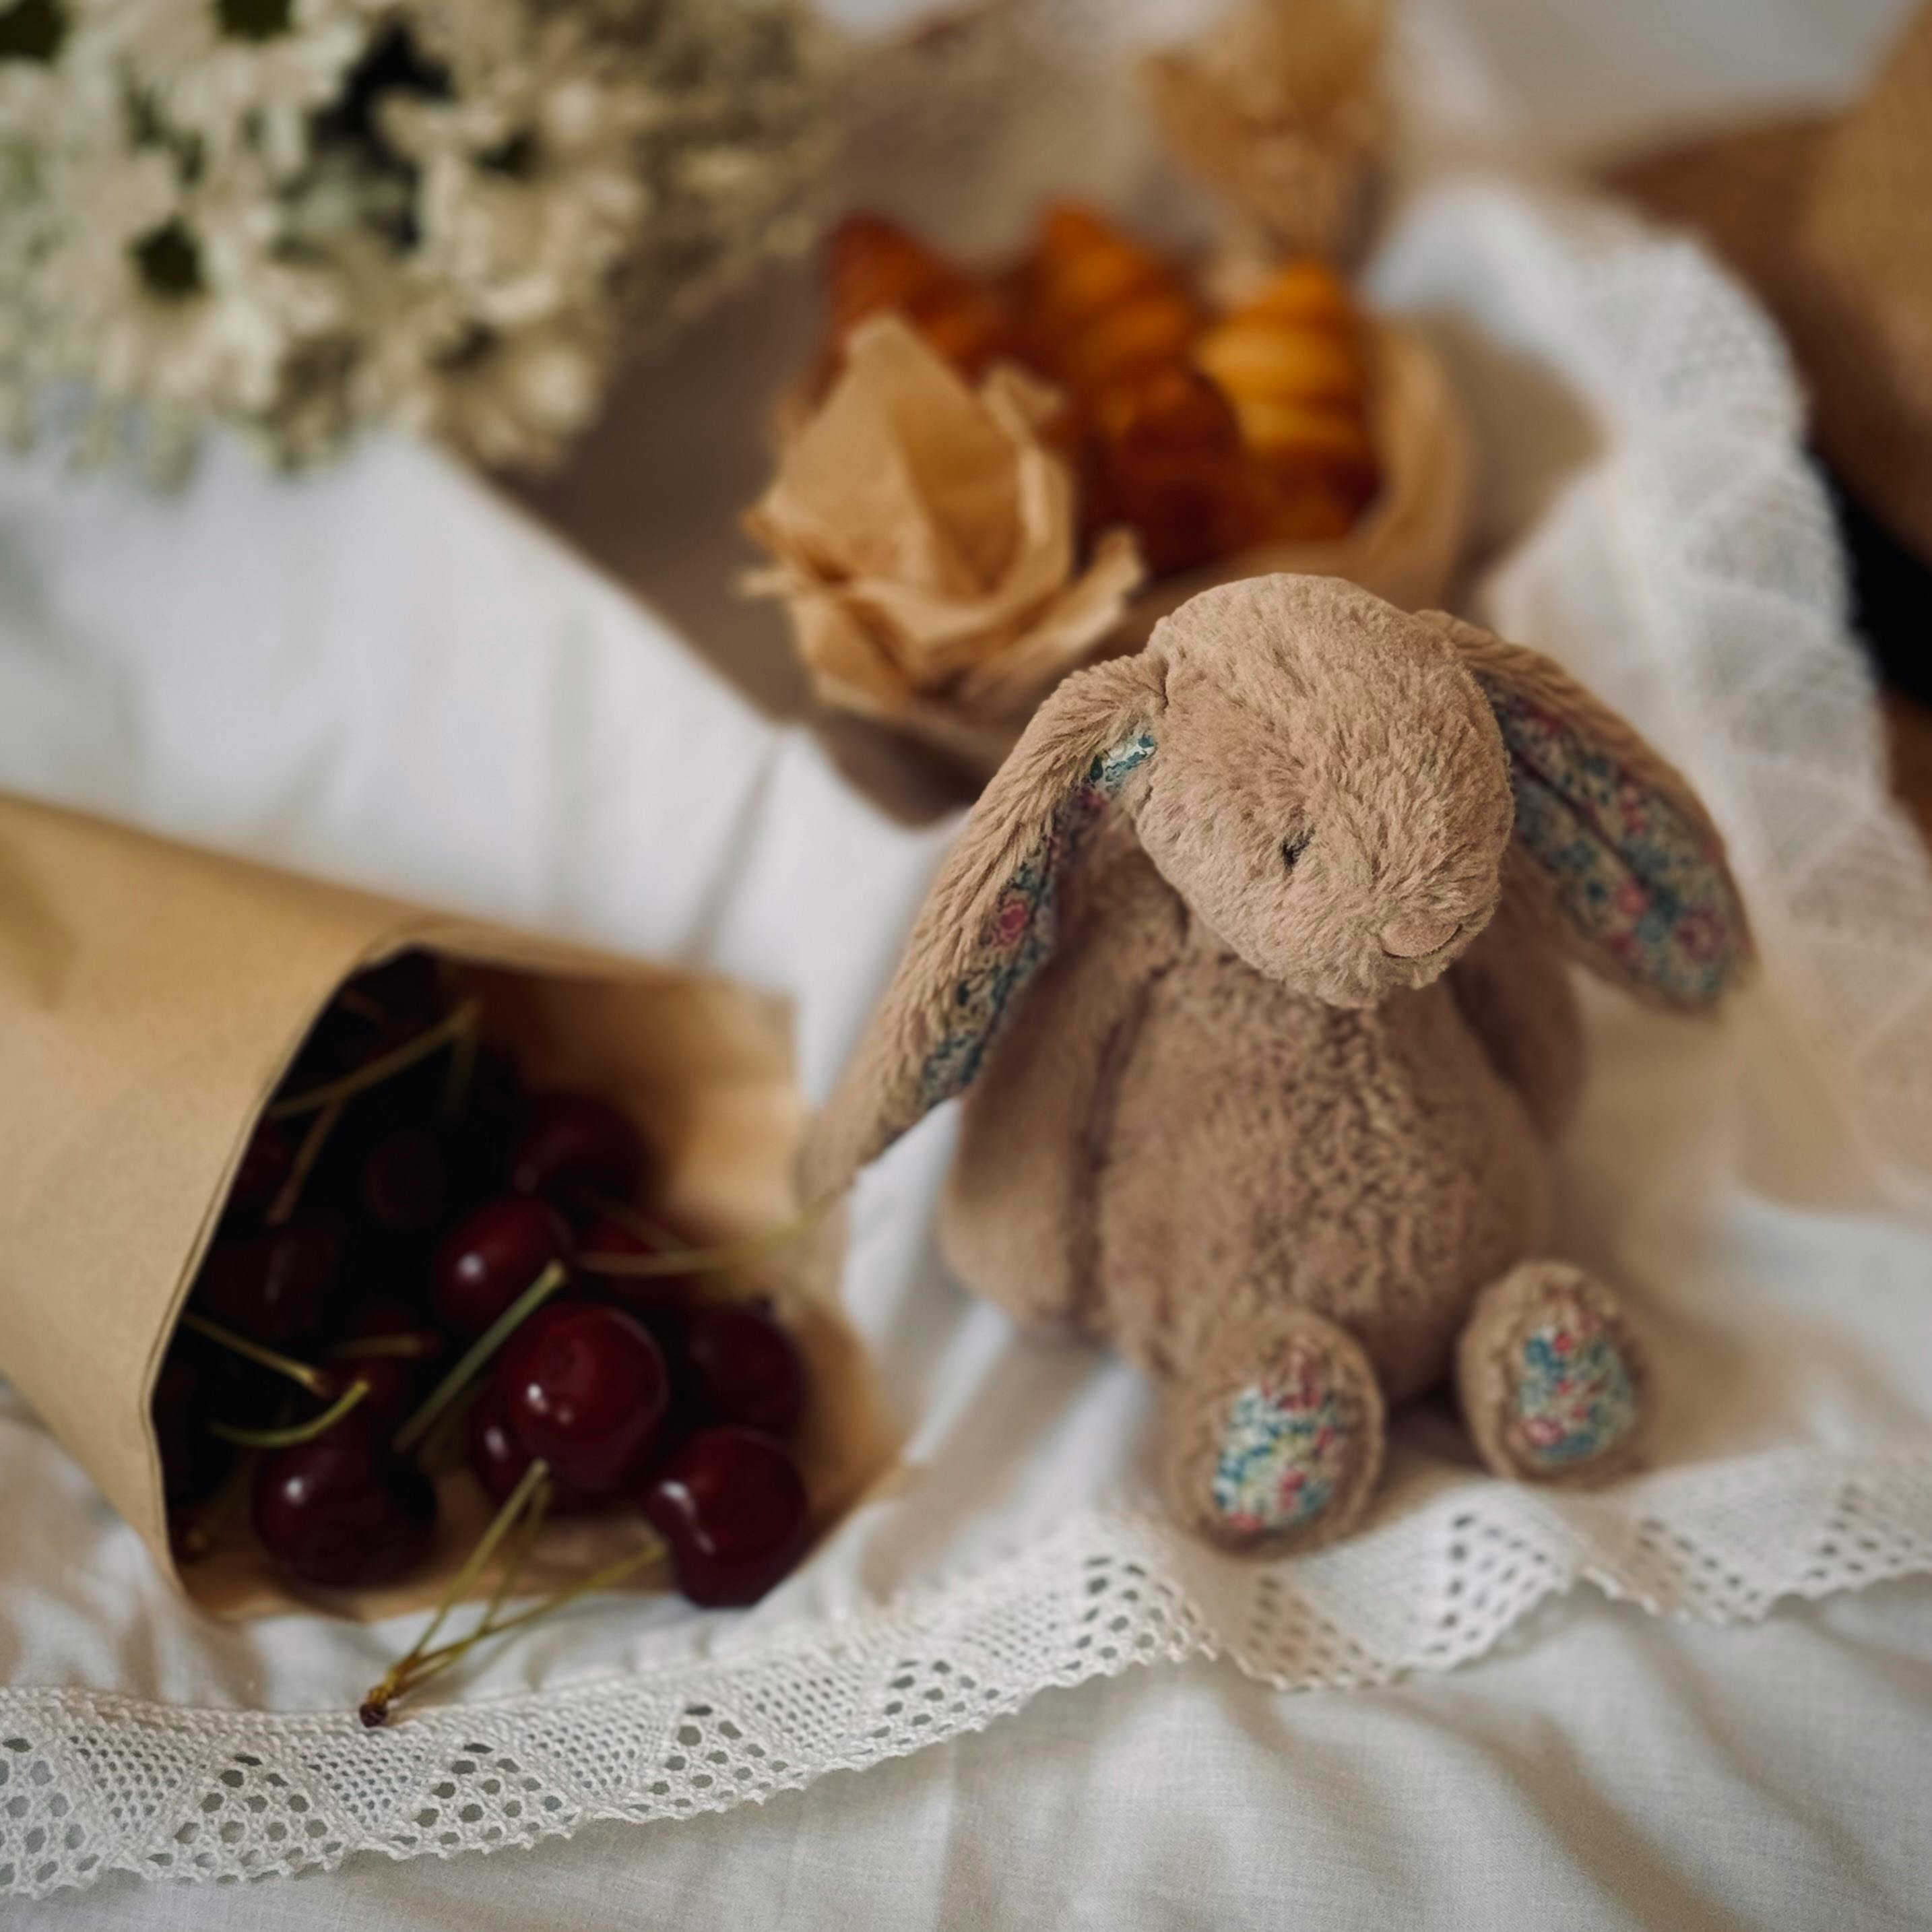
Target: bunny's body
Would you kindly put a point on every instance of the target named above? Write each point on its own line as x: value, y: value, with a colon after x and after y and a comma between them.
x: 1169, y: 1168
x: 1250, y: 963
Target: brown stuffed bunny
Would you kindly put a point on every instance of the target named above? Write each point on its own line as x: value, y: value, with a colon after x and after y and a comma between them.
x: 1268, y: 1032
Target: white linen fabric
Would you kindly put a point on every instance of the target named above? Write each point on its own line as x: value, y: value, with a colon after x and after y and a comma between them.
x: 382, y: 673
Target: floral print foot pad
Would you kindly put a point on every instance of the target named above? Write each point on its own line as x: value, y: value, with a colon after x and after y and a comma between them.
x: 1284, y: 1450
x: 1574, y: 1396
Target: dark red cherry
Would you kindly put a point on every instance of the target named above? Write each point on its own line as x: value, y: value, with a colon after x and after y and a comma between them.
x: 404, y: 1187
x: 342, y: 1510
x: 385, y: 1314
x: 490, y: 1256
x: 731, y: 1505
x: 193, y: 1461
x: 391, y: 1383
x: 741, y: 1366
x: 572, y: 1147
x: 274, y: 1286
x: 395, y: 1381
x: 264, y: 1167
x: 646, y: 1294
x: 585, y: 1388
x: 602, y: 1235
x: 499, y: 1458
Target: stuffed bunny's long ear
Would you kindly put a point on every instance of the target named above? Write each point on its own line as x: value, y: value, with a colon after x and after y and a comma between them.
x: 990, y: 920
x: 1629, y: 855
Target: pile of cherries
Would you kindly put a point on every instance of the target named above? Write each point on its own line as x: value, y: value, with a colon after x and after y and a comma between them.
x: 421, y: 1262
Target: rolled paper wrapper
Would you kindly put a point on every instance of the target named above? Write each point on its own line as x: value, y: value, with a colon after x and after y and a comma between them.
x: 1278, y: 108
x: 152, y: 996
x: 924, y: 534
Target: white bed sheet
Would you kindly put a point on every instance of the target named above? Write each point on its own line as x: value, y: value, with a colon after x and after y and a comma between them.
x: 1602, y: 1768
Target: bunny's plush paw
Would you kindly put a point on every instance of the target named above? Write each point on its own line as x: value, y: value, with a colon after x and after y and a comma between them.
x: 1282, y: 1451
x: 1553, y: 1383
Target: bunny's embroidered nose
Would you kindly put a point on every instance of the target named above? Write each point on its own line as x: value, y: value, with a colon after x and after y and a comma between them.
x: 1413, y: 939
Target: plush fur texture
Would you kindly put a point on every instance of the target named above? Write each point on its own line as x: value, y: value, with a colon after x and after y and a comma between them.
x: 1265, y: 1031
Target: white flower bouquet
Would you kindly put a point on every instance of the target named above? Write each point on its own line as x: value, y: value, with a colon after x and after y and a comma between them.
x: 295, y: 216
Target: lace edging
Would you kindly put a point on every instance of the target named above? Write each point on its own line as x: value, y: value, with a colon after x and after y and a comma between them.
x: 92, y: 1782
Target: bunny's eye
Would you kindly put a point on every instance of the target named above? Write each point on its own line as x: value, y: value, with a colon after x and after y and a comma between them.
x: 1291, y: 849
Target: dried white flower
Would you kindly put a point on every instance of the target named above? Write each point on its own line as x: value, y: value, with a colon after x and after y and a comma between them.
x: 530, y: 194
x: 167, y: 297
x: 502, y: 394
x: 297, y: 216
x: 231, y: 71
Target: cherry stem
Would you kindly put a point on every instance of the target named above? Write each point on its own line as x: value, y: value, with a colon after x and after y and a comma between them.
x: 480, y: 1351
x: 433, y: 1663
x: 299, y: 1373
x: 296, y: 1433
x: 385, y: 1066
x: 516, y: 1559
x: 518, y: 1556
x: 726, y: 1283
x: 641, y: 1224
x: 501, y: 1524
x: 653, y: 1552
x: 383, y: 1694
x: 441, y: 1450
x: 711, y: 1260
x: 307, y: 1155
x: 413, y: 1344
x: 461, y: 1074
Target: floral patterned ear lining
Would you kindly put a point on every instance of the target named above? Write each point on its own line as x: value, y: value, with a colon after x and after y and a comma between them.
x: 1635, y: 875
x: 1020, y: 932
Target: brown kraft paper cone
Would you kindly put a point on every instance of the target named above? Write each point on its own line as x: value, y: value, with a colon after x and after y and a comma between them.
x: 151, y: 996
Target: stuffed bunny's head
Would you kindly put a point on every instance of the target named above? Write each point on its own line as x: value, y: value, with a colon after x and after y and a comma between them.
x: 1331, y: 798
x: 1339, y: 792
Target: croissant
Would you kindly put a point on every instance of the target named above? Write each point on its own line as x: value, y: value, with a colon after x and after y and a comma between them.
x: 1170, y: 462
x: 1097, y: 308
x: 873, y: 266
x: 1291, y: 363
